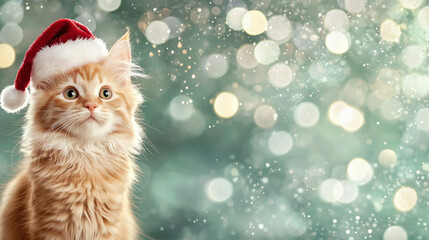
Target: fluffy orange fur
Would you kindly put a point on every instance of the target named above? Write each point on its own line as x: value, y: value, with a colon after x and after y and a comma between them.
x: 78, y: 166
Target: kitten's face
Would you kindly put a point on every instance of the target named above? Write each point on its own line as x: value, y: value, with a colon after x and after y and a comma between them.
x: 91, y: 102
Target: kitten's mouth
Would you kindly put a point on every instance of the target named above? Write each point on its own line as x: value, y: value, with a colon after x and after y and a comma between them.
x: 92, y: 118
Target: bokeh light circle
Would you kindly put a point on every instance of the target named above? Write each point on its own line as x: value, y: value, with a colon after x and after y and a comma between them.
x: 265, y: 116
x: 413, y: 56
x: 336, y: 19
x: 219, y: 189
x: 390, y: 31
x: 422, y: 119
x: 350, y: 192
x: 331, y: 190
x: 280, y: 75
x: 11, y: 33
x: 246, y: 57
x: 387, y: 158
x: 109, y: 5
x: 415, y: 85
x: 306, y: 114
x: 181, y: 108
x: 354, y: 6
x: 225, y: 105
x: 359, y: 171
x: 267, y: 52
x: 12, y: 12
x: 7, y: 55
x: 423, y: 18
x: 411, y: 4
x: 157, y: 32
x: 280, y: 142
x: 234, y: 18
x: 405, y: 199
x: 254, y: 22
x: 338, y: 42
x: 215, y: 65
x: 395, y: 233
x: 279, y: 29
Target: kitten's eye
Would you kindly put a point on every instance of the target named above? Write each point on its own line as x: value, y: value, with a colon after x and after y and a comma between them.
x: 105, y: 93
x: 71, y: 93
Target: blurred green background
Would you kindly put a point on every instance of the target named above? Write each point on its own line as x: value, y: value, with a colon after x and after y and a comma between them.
x: 267, y: 119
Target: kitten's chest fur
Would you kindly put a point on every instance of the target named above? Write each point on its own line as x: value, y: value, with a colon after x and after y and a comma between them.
x: 83, y: 194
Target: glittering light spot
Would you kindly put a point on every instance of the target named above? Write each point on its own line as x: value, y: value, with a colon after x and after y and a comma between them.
x: 280, y: 75
x: 405, y: 199
x: 422, y: 119
x: 395, y: 233
x: 181, y: 108
x: 225, y: 105
x: 338, y: 42
x: 306, y: 114
x: 331, y: 190
x: 11, y: 33
x: 390, y: 31
x: 354, y: 6
x: 279, y: 29
x: 265, y: 116
x: 267, y: 52
x: 215, y: 65
x: 411, y: 4
x: 413, y: 56
x: 423, y: 18
x: 254, y: 22
x: 218, y: 189
x: 415, y: 85
x: 387, y: 158
x: 336, y: 20
x: 157, y: 32
x: 350, y: 193
x: 109, y: 5
x: 7, y: 55
x: 234, y: 18
x: 280, y: 143
x: 12, y: 12
x: 245, y: 56
x: 359, y: 171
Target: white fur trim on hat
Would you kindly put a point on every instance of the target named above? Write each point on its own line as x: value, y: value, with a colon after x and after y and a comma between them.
x: 61, y: 58
x: 13, y: 100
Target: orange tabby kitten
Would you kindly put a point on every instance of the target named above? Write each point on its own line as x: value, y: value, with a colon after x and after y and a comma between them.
x: 79, y: 141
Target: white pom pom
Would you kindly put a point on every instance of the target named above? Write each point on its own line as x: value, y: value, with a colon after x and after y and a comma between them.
x: 13, y: 100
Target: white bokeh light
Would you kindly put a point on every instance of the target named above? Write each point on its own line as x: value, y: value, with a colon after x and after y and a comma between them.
x: 267, y: 52
x: 422, y: 119
x: 390, y: 31
x: 350, y: 193
x: 411, y: 4
x: 280, y: 75
x: 359, y: 171
x: 336, y: 19
x: 181, y: 108
x: 218, y: 189
x: 423, y: 18
x: 215, y: 65
x: 11, y: 33
x: 306, y: 114
x: 331, y: 190
x: 254, y: 22
x: 279, y: 29
x: 395, y: 233
x: 225, y: 105
x: 405, y: 199
x: 109, y: 5
x: 157, y: 32
x: 387, y: 158
x: 354, y: 6
x: 338, y: 42
x: 234, y: 18
x: 265, y: 116
x: 415, y: 85
x: 246, y: 56
x: 413, y: 56
x: 280, y: 142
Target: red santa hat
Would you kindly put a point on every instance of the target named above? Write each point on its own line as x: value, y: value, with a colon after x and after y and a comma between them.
x: 64, y: 45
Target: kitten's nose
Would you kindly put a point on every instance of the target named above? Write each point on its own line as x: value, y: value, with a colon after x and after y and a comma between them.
x: 91, y: 106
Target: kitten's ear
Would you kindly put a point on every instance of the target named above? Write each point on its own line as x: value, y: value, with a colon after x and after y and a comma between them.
x: 118, y: 62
